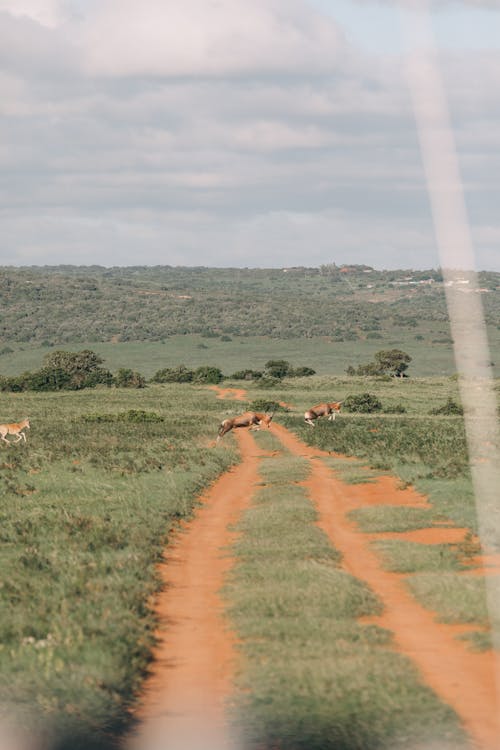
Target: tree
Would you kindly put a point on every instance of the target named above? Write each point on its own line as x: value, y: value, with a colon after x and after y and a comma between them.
x: 277, y: 368
x: 393, y: 362
x: 208, y: 374
x: 179, y: 374
x: 72, y: 370
x: 126, y: 378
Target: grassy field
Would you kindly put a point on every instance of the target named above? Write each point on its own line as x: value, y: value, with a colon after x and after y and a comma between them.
x: 326, y: 357
x: 86, y: 509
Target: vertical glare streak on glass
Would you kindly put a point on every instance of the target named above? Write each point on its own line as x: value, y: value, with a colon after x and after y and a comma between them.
x: 464, y: 302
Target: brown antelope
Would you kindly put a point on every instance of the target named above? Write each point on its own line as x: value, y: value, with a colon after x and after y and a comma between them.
x: 14, y: 428
x: 251, y: 419
x: 322, y: 410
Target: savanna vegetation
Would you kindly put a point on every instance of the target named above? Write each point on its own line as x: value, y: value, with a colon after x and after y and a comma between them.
x: 89, y: 502
x: 327, y: 319
x: 86, y: 509
x: 70, y: 304
x: 121, y: 444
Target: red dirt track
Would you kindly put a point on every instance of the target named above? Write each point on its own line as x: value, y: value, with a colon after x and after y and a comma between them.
x: 182, y: 706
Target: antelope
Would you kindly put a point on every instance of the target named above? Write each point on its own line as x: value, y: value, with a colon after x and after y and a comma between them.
x: 251, y: 419
x: 14, y: 428
x: 322, y: 410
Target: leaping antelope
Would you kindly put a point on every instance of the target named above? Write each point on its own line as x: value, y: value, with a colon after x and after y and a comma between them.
x: 251, y: 419
x: 14, y: 428
x: 322, y: 410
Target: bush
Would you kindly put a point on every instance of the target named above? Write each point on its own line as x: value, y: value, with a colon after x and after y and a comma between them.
x: 208, y: 374
x: 126, y: 378
x: 301, y: 372
x: 450, y: 408
x: 277, y: 368
x: 246, y: 375
x: 363, y: 403
x: 180, y: 374
x: 132, y: 415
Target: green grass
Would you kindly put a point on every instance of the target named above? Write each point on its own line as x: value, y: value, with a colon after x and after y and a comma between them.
x: 87, y: 506
x: 85, y: 513
x: 313, y: 676
x: 477, y: 640
x: 351, y: 471
x: 454, y: 598
x: 326, y: 357
x: 392, y: 518
x: 400, y: 556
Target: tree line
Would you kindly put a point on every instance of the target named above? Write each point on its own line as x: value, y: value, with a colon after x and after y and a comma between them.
x: 58, y: 306
x: 73, y: 371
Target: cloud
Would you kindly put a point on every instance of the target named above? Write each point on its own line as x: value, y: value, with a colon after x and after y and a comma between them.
x: 437, y: 4
x: 208, y: 38
x: 49, y: 13
x: 32, y: 49
x: 221, y: 133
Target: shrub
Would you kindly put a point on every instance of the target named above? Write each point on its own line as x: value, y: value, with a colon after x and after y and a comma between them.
x: 372, y: 368
x: 450, y: 408
x: 132, y: 415
x: 180, y: 374
x: 362, y: 403
x: 208, y: 374
x: 277, y: 368
x: 246, y: 375
x: 393, y: 362
x: 126, y: 378
x: 301, y: 372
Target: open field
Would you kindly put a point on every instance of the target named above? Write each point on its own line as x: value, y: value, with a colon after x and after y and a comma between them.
x: 86, y: 510
x: 89, y: 503
x: 327, y: 357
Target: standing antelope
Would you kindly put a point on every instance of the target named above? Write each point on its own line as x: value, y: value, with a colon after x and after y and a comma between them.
x: 251, y: 419
x: 322, y: 410
x: 14, y: 428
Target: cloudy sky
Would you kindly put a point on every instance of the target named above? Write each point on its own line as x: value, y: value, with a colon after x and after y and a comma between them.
x: 236, y: 133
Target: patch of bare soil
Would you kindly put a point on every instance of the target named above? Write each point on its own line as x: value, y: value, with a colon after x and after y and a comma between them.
x: 234, y: 394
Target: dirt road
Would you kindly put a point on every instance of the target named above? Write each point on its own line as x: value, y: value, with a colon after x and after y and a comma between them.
x: 190, y: 683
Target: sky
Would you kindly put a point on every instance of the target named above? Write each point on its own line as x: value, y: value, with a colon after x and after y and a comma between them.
x: 270, y: 133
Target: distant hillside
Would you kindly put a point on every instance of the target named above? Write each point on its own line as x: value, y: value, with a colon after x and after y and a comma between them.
x: 68, y: 304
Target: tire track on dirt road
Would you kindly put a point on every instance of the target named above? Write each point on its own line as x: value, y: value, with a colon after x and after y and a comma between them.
x: 182, y: 704
x: 464, y: 680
